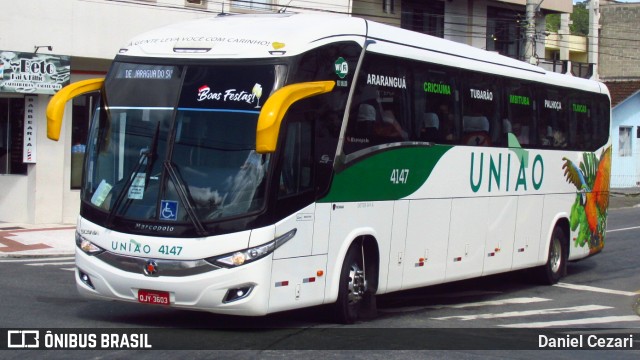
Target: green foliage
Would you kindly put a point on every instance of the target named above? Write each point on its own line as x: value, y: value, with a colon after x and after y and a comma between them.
x: 579, y: 17
x: 552, y: 22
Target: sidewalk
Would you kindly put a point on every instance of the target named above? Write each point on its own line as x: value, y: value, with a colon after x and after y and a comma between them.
x: 623, y: 198
x: 28, y: 240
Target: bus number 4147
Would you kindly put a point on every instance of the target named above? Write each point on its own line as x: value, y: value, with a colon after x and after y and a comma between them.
x: 399, y: 176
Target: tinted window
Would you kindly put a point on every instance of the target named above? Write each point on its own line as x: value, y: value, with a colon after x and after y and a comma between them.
x: 552, y: 121
x: 519, y: 115
x: 480, y: 110
x: 436, y: 116
x: 379, y: 112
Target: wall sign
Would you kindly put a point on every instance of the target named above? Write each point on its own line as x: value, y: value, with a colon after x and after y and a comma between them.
x: 31, y: 73
x: 30, y: 130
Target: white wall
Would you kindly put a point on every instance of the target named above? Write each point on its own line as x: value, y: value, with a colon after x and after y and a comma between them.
x: 48, y: 172
x: 625, y: 171
x: 14, y: 197
x: 461, y: 28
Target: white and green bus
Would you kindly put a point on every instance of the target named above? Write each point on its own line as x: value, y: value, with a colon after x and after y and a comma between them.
x: 250, y: 164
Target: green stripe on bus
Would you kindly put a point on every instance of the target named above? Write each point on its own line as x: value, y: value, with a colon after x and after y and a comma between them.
x: 389, y: 175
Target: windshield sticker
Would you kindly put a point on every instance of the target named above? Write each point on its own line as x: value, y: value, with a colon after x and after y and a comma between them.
x: 388, y: 81
x: 437, y: 88
x: 169, y: 210
x: 101, y: 193
x: 342, y: 67
x: 136, y: 190
x: 553, y: 104
x: 342, y: 70
x: 579, y: 108
x: 231, y: 95
x: 257, y: 92
x: 519, y: 100
x: 486, y: 95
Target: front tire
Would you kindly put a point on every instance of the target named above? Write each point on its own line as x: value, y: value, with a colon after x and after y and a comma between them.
x: 556, y: 266
x: 352, y: 286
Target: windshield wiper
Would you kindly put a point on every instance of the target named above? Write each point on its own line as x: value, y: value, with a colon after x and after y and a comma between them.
x: 147, y: 156
x: 125, y: 189
x: 183, y: 194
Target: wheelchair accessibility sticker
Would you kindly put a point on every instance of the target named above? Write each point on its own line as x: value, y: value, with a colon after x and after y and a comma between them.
x: 169, y: 210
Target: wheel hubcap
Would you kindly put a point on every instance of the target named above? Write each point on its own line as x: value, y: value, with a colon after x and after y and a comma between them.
x: 555, y: 253
x: 357, y: 284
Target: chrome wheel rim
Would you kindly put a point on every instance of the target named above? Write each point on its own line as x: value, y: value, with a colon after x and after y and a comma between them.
x: 555, y: 255
x: 356, y: 284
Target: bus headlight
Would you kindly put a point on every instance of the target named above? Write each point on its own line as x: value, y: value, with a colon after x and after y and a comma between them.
x: 246, y: 256
x: 87, y: 246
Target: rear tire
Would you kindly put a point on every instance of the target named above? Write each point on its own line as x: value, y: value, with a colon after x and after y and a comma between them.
x: 352, y: 286
x: 556, y: 266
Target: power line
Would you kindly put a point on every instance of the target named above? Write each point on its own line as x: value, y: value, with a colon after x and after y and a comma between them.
x: 450, y: 31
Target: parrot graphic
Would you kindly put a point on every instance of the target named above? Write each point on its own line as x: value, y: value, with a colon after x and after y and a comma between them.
x: 589, y: 211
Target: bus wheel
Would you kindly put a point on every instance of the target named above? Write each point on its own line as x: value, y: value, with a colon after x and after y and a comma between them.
x: 556, y: 265
x: 352, y: 286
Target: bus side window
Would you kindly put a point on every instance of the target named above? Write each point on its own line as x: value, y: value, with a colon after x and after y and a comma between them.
x: 480, y: 114
x: 520, y: 111
x: 601, y: 120
x: 390, y: 128
x: 296, y: 172
x: 379, y: 112
x: 435, y: 103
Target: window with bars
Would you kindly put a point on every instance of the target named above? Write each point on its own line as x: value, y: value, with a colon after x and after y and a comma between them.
x: 12, y: 136
x: 424, y: 17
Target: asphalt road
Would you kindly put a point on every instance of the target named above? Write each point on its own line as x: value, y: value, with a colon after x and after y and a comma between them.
x: 598, y: 297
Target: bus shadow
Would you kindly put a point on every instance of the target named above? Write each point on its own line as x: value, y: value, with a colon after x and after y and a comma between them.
x: 463, y: 291
x: 486, y: 288
x: 140, y: 315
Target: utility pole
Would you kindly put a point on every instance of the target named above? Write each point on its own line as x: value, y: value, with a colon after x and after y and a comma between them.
x: 564, y: 43
x: 530, y: 32
x: 594, y: 19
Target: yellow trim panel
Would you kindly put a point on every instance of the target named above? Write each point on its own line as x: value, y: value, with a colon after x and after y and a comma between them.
x: 277, y: 105
x: 55, y: 109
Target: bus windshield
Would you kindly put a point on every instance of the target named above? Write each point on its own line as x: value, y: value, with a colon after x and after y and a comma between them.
x: 176, y: 143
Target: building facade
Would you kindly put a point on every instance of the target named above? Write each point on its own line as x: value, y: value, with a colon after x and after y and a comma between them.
x: 487, y: 24
x: 45, y: 45
x: 619, y: 69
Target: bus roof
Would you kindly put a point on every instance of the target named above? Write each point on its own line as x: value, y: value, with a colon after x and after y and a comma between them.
x: 273, y: 35
x: 243, y: 36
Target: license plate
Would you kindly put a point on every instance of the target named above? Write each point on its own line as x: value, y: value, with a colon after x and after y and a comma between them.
x: 153, y: 297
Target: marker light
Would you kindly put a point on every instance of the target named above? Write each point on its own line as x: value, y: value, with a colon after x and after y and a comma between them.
x: 239, y: 258
x: 246, y: 256
x: 87, y: 246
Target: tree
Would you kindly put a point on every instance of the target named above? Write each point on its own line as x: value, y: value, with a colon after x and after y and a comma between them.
x: 579, y: 19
